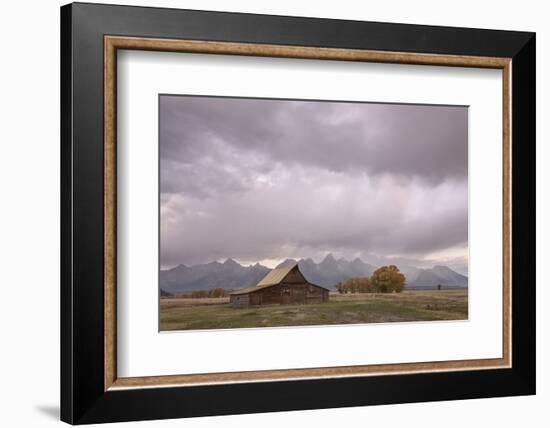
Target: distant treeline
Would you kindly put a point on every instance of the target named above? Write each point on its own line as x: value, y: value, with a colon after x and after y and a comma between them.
x: 202, y: 294
x: 387, y: 279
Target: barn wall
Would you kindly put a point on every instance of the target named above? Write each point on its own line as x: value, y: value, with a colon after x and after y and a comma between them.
x: 294, y: 277
x: 288, y: 293
x: 255, y: 299
x: 270, y: 295
x: 239, y: 300
x: 316, y: 294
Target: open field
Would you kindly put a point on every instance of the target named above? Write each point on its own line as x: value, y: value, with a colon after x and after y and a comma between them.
x: 414, y: 305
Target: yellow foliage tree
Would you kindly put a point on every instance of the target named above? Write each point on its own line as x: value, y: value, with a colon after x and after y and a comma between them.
x: 388, y: 279
x: 354, y: 285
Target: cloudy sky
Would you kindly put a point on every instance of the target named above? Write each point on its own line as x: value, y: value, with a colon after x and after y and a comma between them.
x: 264, y: 180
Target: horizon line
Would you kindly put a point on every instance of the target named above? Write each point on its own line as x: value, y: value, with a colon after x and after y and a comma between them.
x: 297, y: 260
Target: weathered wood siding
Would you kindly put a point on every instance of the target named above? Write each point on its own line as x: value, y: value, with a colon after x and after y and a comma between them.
x: 240, y: 300
x: 294, y: 277
x: 269, y: 295
x: 284, y: 294
x: 293, y: 287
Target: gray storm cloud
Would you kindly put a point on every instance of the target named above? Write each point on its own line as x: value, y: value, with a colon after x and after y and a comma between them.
x: 260, y: 179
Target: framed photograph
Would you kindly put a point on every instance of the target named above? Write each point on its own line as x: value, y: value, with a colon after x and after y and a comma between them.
x: 266, y: 213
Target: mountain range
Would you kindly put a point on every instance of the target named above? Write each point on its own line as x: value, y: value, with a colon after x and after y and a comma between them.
x: 232, y: 275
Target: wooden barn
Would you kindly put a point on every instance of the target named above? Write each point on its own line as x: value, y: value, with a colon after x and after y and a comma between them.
x: 280, y: 286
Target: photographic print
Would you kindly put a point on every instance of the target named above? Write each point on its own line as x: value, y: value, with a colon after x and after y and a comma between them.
x: 281, y: 212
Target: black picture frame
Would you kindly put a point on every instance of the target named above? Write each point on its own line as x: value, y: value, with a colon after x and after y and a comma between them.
x: 83, y: 398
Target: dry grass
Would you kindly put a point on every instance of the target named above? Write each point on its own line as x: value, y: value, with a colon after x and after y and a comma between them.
x: 413, y: 305
x: 171, y: 302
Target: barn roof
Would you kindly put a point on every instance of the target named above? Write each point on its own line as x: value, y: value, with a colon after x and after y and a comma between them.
x: 274, y: 277
x: 251, y: 289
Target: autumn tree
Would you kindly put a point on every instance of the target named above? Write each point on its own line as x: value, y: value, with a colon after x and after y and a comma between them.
x: 210, y: 293
x: 354, y: 285
x: 216, y: 292
x: 387, y: 279
x: 359, y: 285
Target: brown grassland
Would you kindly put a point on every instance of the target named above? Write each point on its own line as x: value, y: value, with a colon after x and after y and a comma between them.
x: 411, y: 305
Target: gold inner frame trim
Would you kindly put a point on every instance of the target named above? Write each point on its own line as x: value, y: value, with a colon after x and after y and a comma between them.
x: 113, y: 43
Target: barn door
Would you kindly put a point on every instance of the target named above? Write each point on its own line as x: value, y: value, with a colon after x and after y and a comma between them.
x: 285, y: 295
